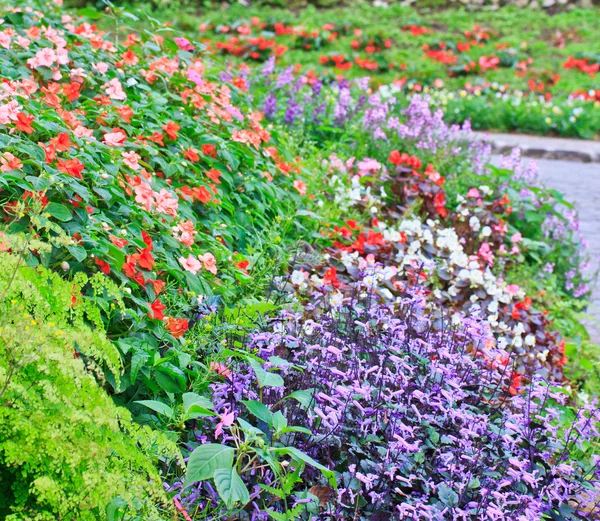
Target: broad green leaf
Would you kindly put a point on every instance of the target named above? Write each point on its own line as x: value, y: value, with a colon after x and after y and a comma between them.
x: 59, y: 211
x: 159, y: 407
x: 206, y: 459
x: 190, y: 399
x: 230, y: 487
x: 265, y: 379
x: 260, y: 410
x: 304, y: 397
x: 279, y: 421
x: 305, y: 458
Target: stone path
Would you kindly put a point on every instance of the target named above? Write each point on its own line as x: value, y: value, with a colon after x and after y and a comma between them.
x: 545, y: 147
x: 580, y: 184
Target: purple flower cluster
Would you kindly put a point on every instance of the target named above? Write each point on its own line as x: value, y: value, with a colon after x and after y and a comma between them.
x: 418, y: 421
x: 421, y: 424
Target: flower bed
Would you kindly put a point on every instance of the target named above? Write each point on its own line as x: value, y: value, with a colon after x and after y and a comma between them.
x: 512, y: 70
x: 302, y: 299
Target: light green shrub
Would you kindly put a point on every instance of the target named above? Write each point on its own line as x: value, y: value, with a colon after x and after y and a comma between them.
x: 66, y: 450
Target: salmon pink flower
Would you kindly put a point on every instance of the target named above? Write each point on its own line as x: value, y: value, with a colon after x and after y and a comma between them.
x: 191, y: 264
x: 116, y: 138
x: 300, y: 186
x: 220, y: 369
x: 166, y: 202
x: 10, y: 162
x: 131, y: 160
x: 114, y: 90
x: 209, y: 261
x: 144, y: 195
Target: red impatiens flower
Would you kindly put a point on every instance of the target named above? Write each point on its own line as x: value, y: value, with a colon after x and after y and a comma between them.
x: 73, y: 167
x: 243, y: 265
x: 191, y: 155
x: 171, y: 129
x: 129, y: 266
x: 119, y: 243
x: 145, y: 259
x: 147, y: 240
x: 176, y: 326
x: 24, y: 123
x: 209, y: 150
x: 157, y: 308
x: 214, y: 175
x: 157, y: 286
x: 202, y: 194
x: 72, y: 90
x: 126, y: 113
x: 62, y: 142
x: 103, y: 265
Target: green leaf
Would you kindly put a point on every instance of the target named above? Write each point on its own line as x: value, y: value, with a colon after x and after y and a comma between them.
x: 59, y: 211
x: 113, y: 509
x: 206, y: 459
x: 88, y: 12
x: 447, y: 496
x: 265, y: 379
x: 230, y: 487
x: 299, y: 455
x: 260, y: 410
x: 305, y: 397
x: 190, y: 399
x: 170, y: 378
x: 159, y: 407
x: 279, y: 421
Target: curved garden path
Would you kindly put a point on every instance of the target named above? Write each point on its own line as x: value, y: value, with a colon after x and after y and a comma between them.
x: 580, y: 184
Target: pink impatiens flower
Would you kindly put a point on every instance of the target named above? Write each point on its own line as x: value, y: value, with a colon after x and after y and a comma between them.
x: 210, y: 263
x: 43, y: 58
x: 116, y: 138
x: 131, y: 160
x: 185, y: 233
x: 9, y: 162
x: 226, y: 421
x: 166, y: 202
x: 191, y: 264
x: 300, y: 186
x: 144, y: 195
x: 114, y: 89
x: 184, y: 44
x: 101, y: 67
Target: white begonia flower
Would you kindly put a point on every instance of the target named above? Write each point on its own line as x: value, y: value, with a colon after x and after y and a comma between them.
x: 474, y: 223
x: 517, y: 341
x: 391, y: 235
x: 519, y: 329
x: 530, y: 340
x: 486, y: 231
x: 542, y: 356
x: 493, y: 306
x: 336, y: 300
x: 297, y: 277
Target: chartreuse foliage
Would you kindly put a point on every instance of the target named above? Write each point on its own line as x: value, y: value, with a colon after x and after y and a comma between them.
x: 66, y: 451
